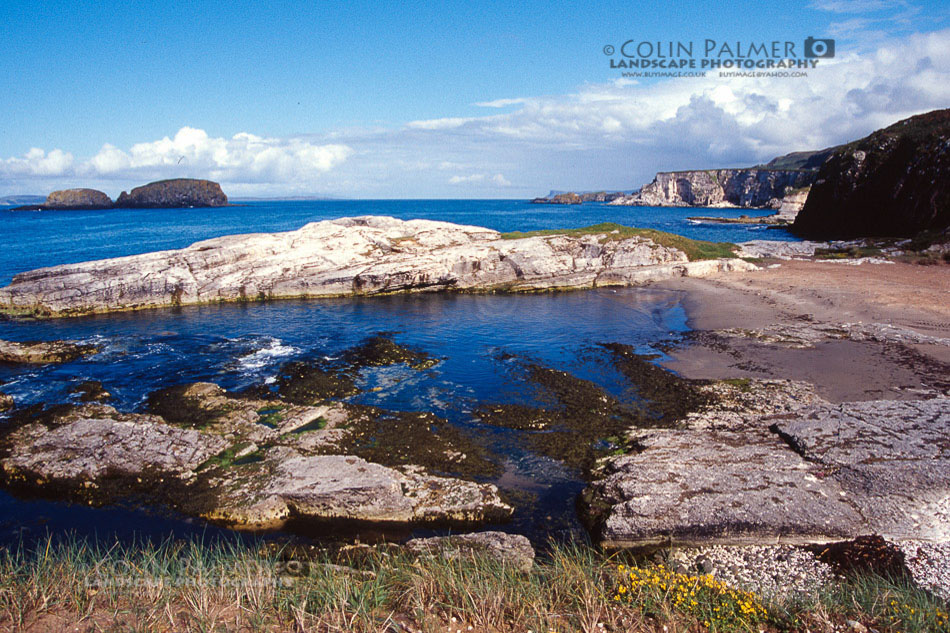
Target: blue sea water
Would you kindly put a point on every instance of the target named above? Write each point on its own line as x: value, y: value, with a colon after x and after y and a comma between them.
x: 241, y: 345
x: 33, y: 239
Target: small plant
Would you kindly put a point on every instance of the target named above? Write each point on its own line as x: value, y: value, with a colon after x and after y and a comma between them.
x: 742, y: 384
x: 708, y: 601
x: 270, y: 416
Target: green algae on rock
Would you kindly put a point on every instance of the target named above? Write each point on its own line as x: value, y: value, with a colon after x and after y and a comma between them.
x: 43, y: 352
x: 307, y: 384
x: 380, y: 351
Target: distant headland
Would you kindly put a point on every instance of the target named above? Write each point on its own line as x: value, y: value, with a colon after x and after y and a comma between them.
x: 163, y: 194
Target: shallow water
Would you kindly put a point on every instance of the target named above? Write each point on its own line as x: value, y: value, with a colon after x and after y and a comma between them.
x: 480, y: 339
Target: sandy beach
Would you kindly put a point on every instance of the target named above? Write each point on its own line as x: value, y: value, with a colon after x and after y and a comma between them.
x: 809, y: 296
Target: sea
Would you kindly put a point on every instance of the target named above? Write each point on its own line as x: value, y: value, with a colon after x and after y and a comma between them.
x: 242, y: 345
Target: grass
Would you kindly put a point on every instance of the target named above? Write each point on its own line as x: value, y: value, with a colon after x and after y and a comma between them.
x: 742, y: 384
x: 851, y: 252
x: 231, y: 586
x: 694, y: 249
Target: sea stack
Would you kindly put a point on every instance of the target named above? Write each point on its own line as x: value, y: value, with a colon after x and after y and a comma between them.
x: 176, y: 193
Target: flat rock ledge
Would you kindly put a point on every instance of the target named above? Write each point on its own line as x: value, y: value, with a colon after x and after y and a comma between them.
x: 43, y: 352
x: 235, y: 462
x: 287, y: 485
x: 823, y: 473
x: 350, y: 256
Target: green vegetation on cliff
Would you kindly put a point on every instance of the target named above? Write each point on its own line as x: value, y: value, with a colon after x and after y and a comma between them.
x: 694, y: 249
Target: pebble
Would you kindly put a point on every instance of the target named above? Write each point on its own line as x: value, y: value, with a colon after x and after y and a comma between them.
x: 929, y: 565
x: 771, y: 571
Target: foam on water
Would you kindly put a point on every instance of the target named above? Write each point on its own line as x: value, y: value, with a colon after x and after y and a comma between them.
x: 267, y: 356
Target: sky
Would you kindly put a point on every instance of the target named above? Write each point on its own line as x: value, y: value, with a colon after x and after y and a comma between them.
x: 439, y: 100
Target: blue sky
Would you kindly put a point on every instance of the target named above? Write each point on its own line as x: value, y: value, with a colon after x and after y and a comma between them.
x: 432, y: 100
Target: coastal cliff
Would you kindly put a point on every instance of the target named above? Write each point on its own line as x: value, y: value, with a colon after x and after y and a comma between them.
x: 180, y: 192
x: 892, y: 183
x: 578, y: 198
x: 365, y: 256
x: 750, y: 188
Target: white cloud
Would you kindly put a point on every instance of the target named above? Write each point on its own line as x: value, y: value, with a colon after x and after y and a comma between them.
x: 500, y: 103
x: 36, y: 162
x: 497, y: 180
x: 241, y: 158
x: 438, y: 124
x: 613, y: 134
x: 715, y: 118
x: 856, y: 6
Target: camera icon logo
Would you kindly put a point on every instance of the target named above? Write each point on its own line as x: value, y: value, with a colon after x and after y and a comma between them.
x: 819, y: 48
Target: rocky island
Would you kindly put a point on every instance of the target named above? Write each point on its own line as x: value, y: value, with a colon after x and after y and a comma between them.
x: 176, y: 193
x: 164, y: 194
x: 71, y: 199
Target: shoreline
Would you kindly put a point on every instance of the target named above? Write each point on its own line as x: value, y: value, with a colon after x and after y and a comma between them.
x: 809, y: 297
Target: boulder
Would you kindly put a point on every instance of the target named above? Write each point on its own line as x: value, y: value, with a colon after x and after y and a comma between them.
x: 176, y: 193
x: 43, y: 352
x: 6, y: 402
x: 286, y: 484
x: 90, y: 445
x: 511, y: 549
x: 352, y: 256
x: 894, y: 182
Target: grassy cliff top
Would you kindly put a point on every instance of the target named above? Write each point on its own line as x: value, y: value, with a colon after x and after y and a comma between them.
x: 611, y: 231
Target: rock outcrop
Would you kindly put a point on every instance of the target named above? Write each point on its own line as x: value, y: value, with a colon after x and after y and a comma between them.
x: 327, y: 487
x: 43, y: 352
x: 895, y: 182
x: 353, y: 256
x: 818, y: 474
x: 578, y: 198
x: 78, y: 199
x: 510, y: 549
x: 68, y: 199
x: 752, y: 188
x: 180, y: 192
x: 786, y: 210
x: 233, y: 460
x: 91, y: 444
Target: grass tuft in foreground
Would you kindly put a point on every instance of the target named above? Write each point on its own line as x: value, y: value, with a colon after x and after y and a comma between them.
x: 694, y: 249
x: 230, y: 586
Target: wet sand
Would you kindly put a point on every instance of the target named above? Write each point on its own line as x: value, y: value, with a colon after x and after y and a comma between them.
x: 814, y: 292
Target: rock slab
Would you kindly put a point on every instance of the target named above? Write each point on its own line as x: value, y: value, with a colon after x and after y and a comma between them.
x: 825, y: 472
x: 350, y: 256
x: 42, y: 352
x: 511, y: 549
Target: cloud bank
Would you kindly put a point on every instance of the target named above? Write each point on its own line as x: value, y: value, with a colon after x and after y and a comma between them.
x: 613, y: 134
